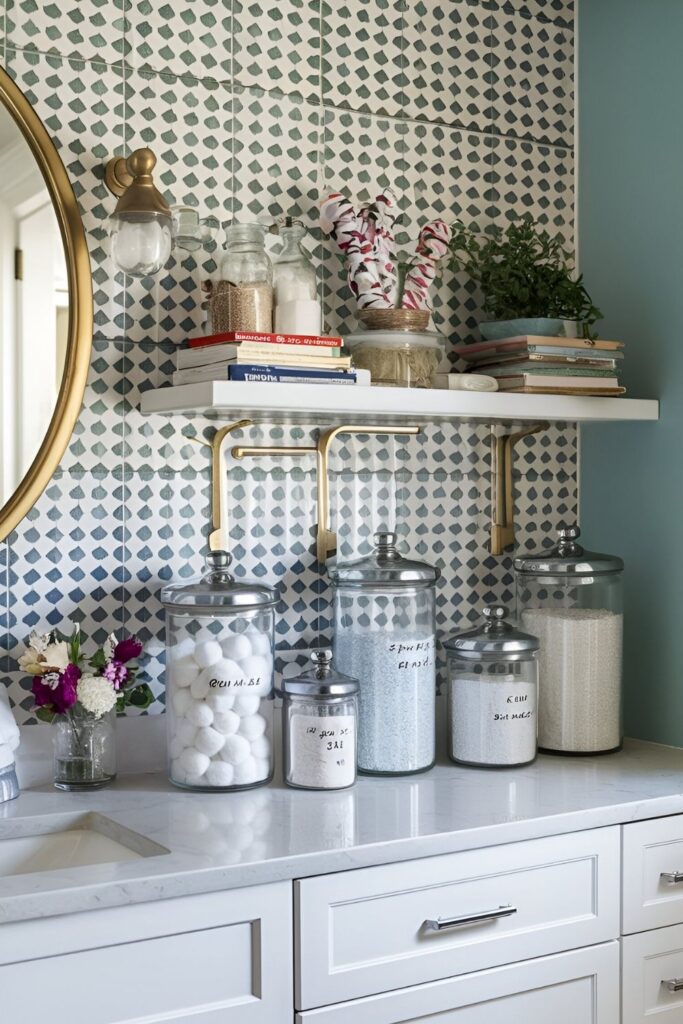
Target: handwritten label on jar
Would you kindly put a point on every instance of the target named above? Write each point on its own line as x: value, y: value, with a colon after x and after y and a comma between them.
x: 323, y: 751
x: 410, y: 655
x: 493, y: 723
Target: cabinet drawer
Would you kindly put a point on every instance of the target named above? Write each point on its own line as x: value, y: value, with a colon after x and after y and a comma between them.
x: 581, y: 987
x: 367, y: 931
x: 238, y: 971
x: 652, y: 850
x: 649, y: 962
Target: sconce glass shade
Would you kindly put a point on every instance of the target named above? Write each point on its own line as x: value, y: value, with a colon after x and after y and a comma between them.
x: 140, y: 243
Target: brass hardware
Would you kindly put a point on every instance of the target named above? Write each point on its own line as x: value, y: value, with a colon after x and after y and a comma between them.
x: 217, y: 538
x: 503, y: 526
x: 79, y: 339
x: 241, y: 451
x: 327, y: 538
x: 18, y: 264
x: 130, y: 178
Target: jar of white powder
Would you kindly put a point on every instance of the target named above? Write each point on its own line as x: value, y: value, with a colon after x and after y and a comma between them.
x: 492, y: 694
x: 571, y: 599
x: 319, y: 727
x: 219, y: 679
x: 384, y: 637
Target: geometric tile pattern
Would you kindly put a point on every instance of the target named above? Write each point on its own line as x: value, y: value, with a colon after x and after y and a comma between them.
x: 255, y: 107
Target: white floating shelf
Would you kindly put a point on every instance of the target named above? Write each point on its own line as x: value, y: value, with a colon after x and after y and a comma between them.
x: 325, y: 403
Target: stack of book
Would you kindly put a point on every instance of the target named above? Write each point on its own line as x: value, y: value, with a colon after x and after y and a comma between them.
x: 243, y: 356
x: 548, y: 366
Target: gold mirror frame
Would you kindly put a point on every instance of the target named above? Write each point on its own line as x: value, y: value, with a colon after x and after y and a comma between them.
x: 79, y: 336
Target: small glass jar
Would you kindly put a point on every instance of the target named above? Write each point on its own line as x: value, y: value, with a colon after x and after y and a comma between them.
x: 572, y: 601
x: 319, y: 727
x: 297, y: 308
x: 242, y: 300
x: 219, y: 680
x: 384, y: 614
x: 492, y: 694
x: 397, y: 358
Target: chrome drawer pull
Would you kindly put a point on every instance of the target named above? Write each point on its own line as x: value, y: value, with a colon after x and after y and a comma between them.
x: 674, y: 984
x: 442, y: 923
x: 672, y: 877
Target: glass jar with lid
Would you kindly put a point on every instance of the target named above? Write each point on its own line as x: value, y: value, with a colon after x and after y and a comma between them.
x: 384, y: 622
x: 242, y: 298
x: 571, y: 599
x: 219, y: 679
x: 492, y: 694
x: 297, y: 308
x: 319, y: 727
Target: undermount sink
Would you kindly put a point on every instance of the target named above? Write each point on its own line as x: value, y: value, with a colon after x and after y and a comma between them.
x: 85, y: 840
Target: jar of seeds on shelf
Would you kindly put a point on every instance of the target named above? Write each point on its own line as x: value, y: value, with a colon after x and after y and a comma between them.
x: 492, y: 694
x: 319, y: 727
x: 384, y: 615
x: 242, y: 300
x: 219, y: 679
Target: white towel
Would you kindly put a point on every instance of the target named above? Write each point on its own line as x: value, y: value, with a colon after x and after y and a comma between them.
x: 9, y: 730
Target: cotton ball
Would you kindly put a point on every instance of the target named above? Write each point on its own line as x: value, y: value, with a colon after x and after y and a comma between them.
x: 258, y: 669
x: 199, y: 714
x: 246, y: 704
x: 200, y: 687
x: 235, y: 750
x: 260, y: 643
x: 207, y: 653
x: 177, y: 772
x: 181, y: 702
x: 219, y: 774
x: 226, y: 722
x: 182, y: 673
x: 209, y: 741
x: 182, y: 650
x: 222, y: 676
x: 252, y: 727
x: 186, y: 732
x: 261, y: 768
x: 221, y: 701
x: 260, y: 748
x: 175, y: 748
x: 193, y: 762
x: 245, y: 771
x: 236, y: 647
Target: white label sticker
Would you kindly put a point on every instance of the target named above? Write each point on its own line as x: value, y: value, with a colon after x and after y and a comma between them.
x: 493, y: 722
x: 413, y: 654
x: 323, y: 751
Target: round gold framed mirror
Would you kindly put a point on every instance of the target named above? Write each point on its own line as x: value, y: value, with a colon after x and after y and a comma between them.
x: 46, y: 311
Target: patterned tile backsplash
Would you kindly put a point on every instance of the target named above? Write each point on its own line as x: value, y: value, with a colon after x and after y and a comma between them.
x: 254, y: 109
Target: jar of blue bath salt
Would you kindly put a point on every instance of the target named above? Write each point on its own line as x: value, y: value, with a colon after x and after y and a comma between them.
x: 384, y: 622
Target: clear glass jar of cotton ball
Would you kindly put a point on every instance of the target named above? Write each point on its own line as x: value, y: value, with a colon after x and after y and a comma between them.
x: 219, y: 680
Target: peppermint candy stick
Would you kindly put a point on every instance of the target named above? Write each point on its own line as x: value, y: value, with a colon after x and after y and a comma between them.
x: 350, y: 232
x: 385, y: 204
x: 431, y: 247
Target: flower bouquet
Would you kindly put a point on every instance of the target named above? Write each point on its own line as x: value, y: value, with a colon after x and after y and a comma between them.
x: 82, y: 698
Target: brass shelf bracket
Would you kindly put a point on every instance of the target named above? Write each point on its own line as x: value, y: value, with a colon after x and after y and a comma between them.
x: 503, y: 525
x: 218, y: 538
x: 326, y: 537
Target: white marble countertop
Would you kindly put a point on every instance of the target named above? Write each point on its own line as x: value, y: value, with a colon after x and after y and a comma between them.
x: 224, y: 841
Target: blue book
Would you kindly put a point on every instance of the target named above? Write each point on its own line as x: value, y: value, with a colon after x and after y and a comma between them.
x: 293, y: 375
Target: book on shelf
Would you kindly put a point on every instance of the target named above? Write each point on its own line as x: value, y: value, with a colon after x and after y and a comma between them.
x: 532, y: 383
x: 536, y: 343
x: 568, y: 370
x: 310, y: 340
x: 187, y: 358
x: 275, y: 373
x: 546, y: 354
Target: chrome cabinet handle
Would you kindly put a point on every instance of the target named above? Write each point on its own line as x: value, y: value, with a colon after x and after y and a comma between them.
x: 441, y: 924
x: 672, y: 877
x: 673, y: 984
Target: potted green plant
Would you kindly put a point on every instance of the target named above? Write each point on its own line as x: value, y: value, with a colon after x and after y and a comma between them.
x: 526, y: 277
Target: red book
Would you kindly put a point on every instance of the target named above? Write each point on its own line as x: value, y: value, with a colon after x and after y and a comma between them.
x: 271, y: 339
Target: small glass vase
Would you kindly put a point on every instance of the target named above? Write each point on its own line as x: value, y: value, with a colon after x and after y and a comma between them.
x: 84, y: 750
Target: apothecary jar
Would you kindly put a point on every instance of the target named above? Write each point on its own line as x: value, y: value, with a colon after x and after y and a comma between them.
x: 384, y: 637
x: 492, y: 693
x: 219, y: 679
x: 571, y: 599
x: 242, y: 299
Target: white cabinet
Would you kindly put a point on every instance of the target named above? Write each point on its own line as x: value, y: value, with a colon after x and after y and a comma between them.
x: 367, y: 931
x: 215, y: 959
x: 580, y: 987
x: 652, y: 973
x: 652, y: 876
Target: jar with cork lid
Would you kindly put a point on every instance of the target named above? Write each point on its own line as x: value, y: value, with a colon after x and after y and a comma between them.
x: 242, y: 300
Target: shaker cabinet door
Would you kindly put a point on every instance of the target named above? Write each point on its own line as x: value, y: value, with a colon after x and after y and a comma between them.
x: 581, y: 987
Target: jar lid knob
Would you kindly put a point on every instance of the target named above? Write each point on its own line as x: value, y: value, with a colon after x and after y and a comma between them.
x: 385, y: 539
x: 322, y: 659
x: 217, y: 565
x: 567, y: 543
x: 495, y: 613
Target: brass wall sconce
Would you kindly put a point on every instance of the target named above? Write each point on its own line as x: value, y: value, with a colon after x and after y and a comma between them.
x: 141, y: 225
x: 503, y: 525
x: 326, y: 543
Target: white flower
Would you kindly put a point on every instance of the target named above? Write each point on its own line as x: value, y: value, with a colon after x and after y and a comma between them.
x: 110, y: 646
x: 39, y: 641
x: 96, y: 694
x: 32, y: 662
x: 57, y: 656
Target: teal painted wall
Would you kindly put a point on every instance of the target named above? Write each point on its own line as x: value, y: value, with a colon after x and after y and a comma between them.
x: 631, y: 252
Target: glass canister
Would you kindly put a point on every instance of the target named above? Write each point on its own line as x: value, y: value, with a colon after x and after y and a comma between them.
x: 319, y: 727
x: 297, y: 306
x: 242, y: 300
x: 492, y: 694
x: 384, y: 637
x: 219, y: 679
x: 572, y: 601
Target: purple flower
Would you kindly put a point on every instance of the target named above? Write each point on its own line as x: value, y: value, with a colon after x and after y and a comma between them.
x: 62, y: 696
x: 127, y: 649
x: 116, y: 673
